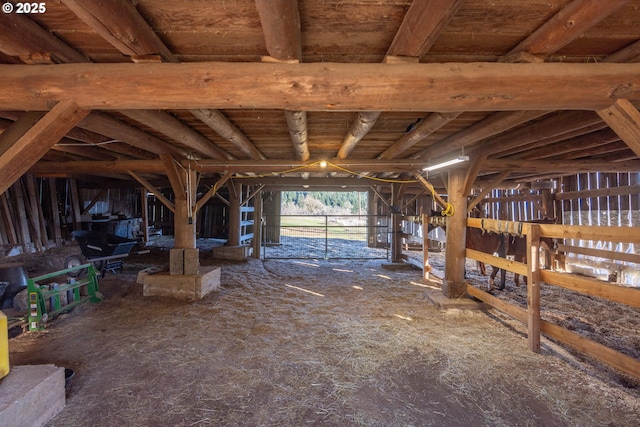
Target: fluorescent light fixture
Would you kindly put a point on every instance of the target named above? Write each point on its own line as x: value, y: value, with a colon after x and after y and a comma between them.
x: 458, y: 159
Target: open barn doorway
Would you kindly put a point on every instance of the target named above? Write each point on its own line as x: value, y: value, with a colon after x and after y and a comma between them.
x: 325, y: 225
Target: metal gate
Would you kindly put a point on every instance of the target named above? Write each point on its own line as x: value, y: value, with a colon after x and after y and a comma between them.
x: 326, y: 237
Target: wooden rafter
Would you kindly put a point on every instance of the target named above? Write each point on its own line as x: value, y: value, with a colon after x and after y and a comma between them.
x: 583, y: 143
x: 574, y: 166
x: 359, y: 128
x: 422, y: 25
x: 219, y: 122
x: 280, y: 22
x: 168, y: 125
x: 552, y: 126
x: 624, y: 119
x: 494, y: 124
x: 630, y: 53
x: 297, y: 124
x: 426, y: 127
x: 32, y: 141
x: 119, y: 23
x: 26, y: 38
x: 108, y: 125
x: 567, y: 25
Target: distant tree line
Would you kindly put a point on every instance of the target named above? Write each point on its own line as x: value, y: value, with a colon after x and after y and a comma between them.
x: 324, y: 203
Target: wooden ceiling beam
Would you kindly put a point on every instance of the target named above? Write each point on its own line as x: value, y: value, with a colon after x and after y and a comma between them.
x: 567, y: 25
x: 551, y: 140
x: 221, y: 124
x: 359, y: 128
x: 549, y: 127
x: 168, y: 125
x: 33, y: 141
x: 494, y: 124
x: 566, y: 146
x: 422, y: 25
x: 624, y: 119
x: 630, y: 53
x: 360, y: 87
x: 119, y: 23
x: 21, y: 37
x: 613, y: 151
x: 67, y: 145
x: 297, y: 124
x: 112, y: 127
x: 280, y: 20
x: 426, y: 127
x: 562, y: 166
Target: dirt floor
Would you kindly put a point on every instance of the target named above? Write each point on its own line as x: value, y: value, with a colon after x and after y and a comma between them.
x: 342, y: 343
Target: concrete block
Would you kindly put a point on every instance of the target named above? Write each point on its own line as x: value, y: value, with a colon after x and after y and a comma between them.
x: 191, y: 287
x: 176, y: 261
x: 191, y: 261
x: 144, y: 273
x: 437, y: 298
x: 233, y: 253
x: 31, y: 395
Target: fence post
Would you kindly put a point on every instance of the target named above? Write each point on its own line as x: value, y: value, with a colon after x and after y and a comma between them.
x: 326, y: 237
x: 533, y: 286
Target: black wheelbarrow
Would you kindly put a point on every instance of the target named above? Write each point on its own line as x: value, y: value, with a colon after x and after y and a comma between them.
x: 104, y: 250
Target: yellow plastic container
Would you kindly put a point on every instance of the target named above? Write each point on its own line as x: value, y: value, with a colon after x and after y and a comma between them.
x: 4, y: 346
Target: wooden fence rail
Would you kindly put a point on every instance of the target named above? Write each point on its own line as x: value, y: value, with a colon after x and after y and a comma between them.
x: 585, y: 285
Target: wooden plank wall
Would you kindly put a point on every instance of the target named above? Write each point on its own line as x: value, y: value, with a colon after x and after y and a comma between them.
x: 25, y: 217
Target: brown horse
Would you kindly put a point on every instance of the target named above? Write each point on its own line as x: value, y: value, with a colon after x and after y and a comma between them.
x: 489, y: 243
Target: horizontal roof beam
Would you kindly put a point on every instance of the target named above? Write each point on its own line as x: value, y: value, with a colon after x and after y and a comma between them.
x: 321, y: 86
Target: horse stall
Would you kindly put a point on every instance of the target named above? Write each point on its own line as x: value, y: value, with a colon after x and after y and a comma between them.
x: 592, y: 260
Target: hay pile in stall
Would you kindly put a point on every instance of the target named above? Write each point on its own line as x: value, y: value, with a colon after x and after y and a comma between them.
x: 312, y: 343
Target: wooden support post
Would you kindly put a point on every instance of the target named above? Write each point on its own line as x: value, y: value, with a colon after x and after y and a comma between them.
x: 372, y: 212
x: 235, y: 201
x: 533, y: 286
x: 257, y: 225
x: 453, y: 285
x: 426, y: 203
x: 397, y: 191
x: 184, y: 226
